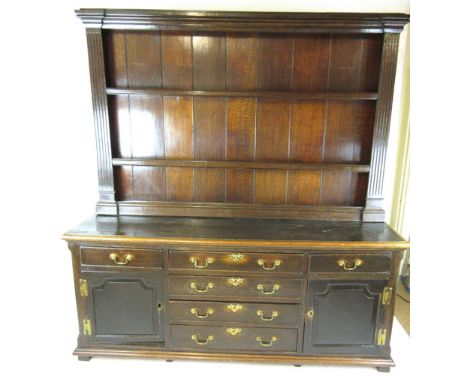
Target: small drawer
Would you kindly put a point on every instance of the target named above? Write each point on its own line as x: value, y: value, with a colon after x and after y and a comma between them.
x: 266, y: 263
x: 121, y: 257
x: 207, y: 287
x: 236, y: 312
x: 233, y: 338
x: 349, y: 263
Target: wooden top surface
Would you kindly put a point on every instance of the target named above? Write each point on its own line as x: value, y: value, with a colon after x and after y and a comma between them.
x: 240, y: 232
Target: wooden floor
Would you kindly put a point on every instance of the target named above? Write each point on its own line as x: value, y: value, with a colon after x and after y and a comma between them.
x: 402, y: 307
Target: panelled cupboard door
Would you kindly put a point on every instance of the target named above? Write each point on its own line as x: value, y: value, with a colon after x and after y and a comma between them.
x: 343, y: 317
x: 125, y: 307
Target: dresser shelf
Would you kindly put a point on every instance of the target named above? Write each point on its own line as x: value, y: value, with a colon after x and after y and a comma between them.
x: 240, y: 165
x: 368, y: 96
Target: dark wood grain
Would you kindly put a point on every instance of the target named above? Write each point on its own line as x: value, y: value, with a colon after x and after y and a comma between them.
x: 101, y: 119
x: 116, y: 58
x: 143, y: 59
x: 179, y: 145
x: 149, y: 183
x: 182, y: 312
x: 345, y: 63
x: 240, y: 210
x: 246, y: 93
x: 370, y: 63
x: 272, y: 137
x: 241, y: 62
x: 240, y: 164
x: 304, y: 187
x: 209, y: 62
x: 98, y: 256
x: 273, y: 22
x: 176, y: 60
x: 245, y: 340
x: 374, y: 210
x: 311, y: 63
x: 261, y: 263
x: 209, y: 144
x: 275, y: 56
x: 307, y: 131
x: 240, y: 146
x: 189, y: 287
x: 135, y: 229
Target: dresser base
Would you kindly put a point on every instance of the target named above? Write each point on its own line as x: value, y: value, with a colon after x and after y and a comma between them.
x: 382, y: 364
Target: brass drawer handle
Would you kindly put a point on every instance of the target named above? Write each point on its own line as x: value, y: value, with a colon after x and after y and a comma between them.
x: 344, y: 264
x: 263, y: 264
x: 274, y: 314
x: 202, y: 342
x: 263, y: 343
x: 198, y: 264
x: 236, y: 257
x: 194, y: 286
x: 116, y: 259
x: 274, y: 288
x: 209, y: 312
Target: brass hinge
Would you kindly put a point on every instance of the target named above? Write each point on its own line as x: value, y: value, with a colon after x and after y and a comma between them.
x: 87, y: 327
x: 387, y: 295
x: 83, y: 288
x: 382, y: 337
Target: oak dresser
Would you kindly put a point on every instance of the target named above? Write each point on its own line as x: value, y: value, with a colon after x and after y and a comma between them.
x: 240, y: 163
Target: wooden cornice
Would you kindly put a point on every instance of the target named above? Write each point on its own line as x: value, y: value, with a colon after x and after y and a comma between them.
x: 271, y: 22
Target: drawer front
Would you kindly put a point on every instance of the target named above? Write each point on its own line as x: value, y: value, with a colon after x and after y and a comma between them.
x: 121, y: 257
x: 260, y: 314
x: 233, y: 338
x: 207, y: 287
x: 349, y: 263
x: 235, y: 261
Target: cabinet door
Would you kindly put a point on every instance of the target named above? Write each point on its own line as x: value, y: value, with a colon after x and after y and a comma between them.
x: 125, y: 307
x: 344, y: 317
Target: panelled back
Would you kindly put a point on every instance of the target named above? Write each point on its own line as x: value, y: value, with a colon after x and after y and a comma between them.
x: 223, y: 117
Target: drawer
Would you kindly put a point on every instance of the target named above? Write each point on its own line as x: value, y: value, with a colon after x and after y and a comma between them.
x: 349, y: 263
x: 207, y: 287
x: 235, y: 261
x: 232, y: 338
x: 121, y: 257
x: 260, y: 314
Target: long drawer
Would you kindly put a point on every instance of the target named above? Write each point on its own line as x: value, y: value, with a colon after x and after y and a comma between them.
x: 235, y: 312
x: 233, y: 338
x: 349, y: 263
x: 267, y: 263
x: 121, y: 257
x: 208, y: 287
